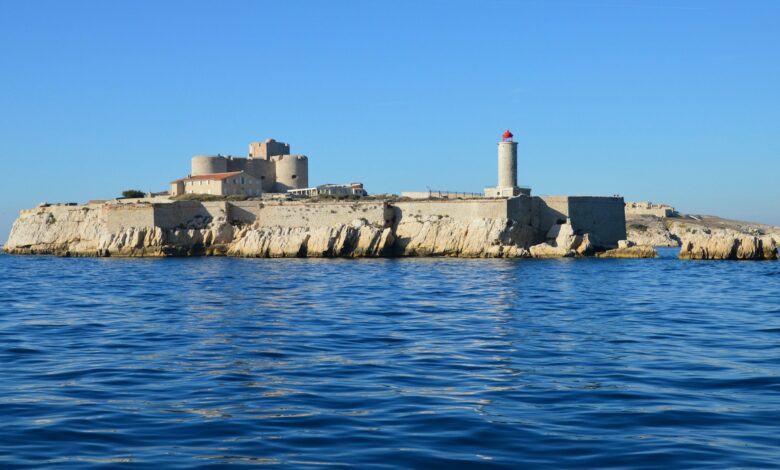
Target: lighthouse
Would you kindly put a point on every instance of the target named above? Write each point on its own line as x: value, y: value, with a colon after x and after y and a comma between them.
x: 507, y: 161
x: 507, y: 169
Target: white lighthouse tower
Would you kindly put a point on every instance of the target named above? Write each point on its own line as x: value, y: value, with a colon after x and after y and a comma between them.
x: 507, y: 169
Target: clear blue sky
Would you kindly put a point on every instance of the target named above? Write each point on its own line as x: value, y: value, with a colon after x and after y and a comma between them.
x: 672, y: 101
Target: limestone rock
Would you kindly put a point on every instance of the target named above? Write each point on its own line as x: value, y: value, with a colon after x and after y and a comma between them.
x: 563, y: 242
x: 547, y: 250
x: 728, y: 244
x: 441, y: 236
x: 629, y: 250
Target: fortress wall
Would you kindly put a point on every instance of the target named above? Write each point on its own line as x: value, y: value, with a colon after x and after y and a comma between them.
x: 119, y: 217
x: 307, y: 214
x: 169, y: 216
x: 520, y: 209
x: 292, y: 172
x: 207, y: 164
x: 603, y: 218
x: 547, y: 211
x: 464, y: 210
x: 236, y: 164
x: 265, y: 171
x: 661, y: 212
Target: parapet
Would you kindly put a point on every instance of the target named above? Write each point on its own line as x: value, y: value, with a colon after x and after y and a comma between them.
x: 268, y: 148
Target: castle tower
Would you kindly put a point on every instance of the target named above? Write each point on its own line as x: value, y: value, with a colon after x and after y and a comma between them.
x: 507, y: 161
x: 268, y: 148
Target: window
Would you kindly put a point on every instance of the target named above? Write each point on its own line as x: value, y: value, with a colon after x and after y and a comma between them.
x: 294, y: 176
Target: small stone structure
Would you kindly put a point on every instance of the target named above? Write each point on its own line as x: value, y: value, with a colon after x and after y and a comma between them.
x: 648, y: 208
x: 337, y: 190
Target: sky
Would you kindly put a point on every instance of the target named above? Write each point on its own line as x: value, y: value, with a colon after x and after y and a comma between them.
x: 669, y: 101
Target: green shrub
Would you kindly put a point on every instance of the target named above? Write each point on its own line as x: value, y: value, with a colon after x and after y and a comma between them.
x: 133, y: 193
x: 637, y: 227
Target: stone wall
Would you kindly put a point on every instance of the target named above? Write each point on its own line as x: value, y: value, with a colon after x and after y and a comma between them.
x: 308, y: 214
x: 603, y: 218
x: 461, y: 210
x: 466, y: 228
x: 119, y: 217
x: 183, y: 213
x: 648, y: 208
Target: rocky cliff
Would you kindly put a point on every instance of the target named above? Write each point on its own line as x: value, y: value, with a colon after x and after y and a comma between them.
x: 348, y: 230
x: 81, y: 231
x: 319, y: 231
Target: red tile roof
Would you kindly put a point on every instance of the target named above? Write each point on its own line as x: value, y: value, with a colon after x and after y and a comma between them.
x: 212, y: 176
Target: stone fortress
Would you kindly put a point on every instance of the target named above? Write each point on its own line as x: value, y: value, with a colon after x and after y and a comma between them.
x: 268, y: 169
x: 275, y: 216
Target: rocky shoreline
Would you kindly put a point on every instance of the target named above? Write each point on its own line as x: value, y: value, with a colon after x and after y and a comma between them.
x: 90, y: 230
x: 69, y: 230
x: 706, y: 237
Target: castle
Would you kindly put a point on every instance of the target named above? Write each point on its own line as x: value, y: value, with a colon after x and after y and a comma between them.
x: 269, y: 168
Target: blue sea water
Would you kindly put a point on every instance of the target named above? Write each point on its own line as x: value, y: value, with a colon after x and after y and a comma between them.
x: 390, y: 363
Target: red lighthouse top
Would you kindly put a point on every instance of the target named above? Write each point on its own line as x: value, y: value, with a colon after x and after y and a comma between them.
x: 507, y: 136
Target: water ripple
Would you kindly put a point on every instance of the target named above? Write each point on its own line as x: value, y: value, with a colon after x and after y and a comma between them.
x: 389, y: 363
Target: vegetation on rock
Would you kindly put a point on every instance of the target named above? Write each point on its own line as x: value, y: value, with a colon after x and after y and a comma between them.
x: 132, y: 193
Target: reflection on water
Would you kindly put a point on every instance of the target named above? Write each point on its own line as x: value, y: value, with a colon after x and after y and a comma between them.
x: 389, y: 363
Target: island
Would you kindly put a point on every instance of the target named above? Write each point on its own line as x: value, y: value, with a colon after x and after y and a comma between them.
x: 261, y: 205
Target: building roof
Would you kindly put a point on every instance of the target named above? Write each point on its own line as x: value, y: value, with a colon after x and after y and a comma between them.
x: 211, y: 177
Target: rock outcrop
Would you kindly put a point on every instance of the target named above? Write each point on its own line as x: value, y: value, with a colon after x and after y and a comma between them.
x: 651, y: 231
x: 628, y: 249
x: 562, y: 242
x: 728, y: 244
x: 441, y: 236
x: 356, y: 240
x: 80, y: 231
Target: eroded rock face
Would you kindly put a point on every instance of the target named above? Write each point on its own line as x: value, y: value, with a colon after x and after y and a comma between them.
x: 563, y: 242
x: 728, y: 244
x: 441, y: 236
x: 651, y: 235
x: 81, y: 232
x: 355, y: 240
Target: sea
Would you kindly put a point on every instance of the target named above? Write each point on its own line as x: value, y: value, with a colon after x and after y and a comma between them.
x: 389, y: 363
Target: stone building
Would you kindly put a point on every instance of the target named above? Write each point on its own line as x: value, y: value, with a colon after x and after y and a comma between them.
x: 648, y: 208
x: 269, y: 163
x: 219, y: 184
